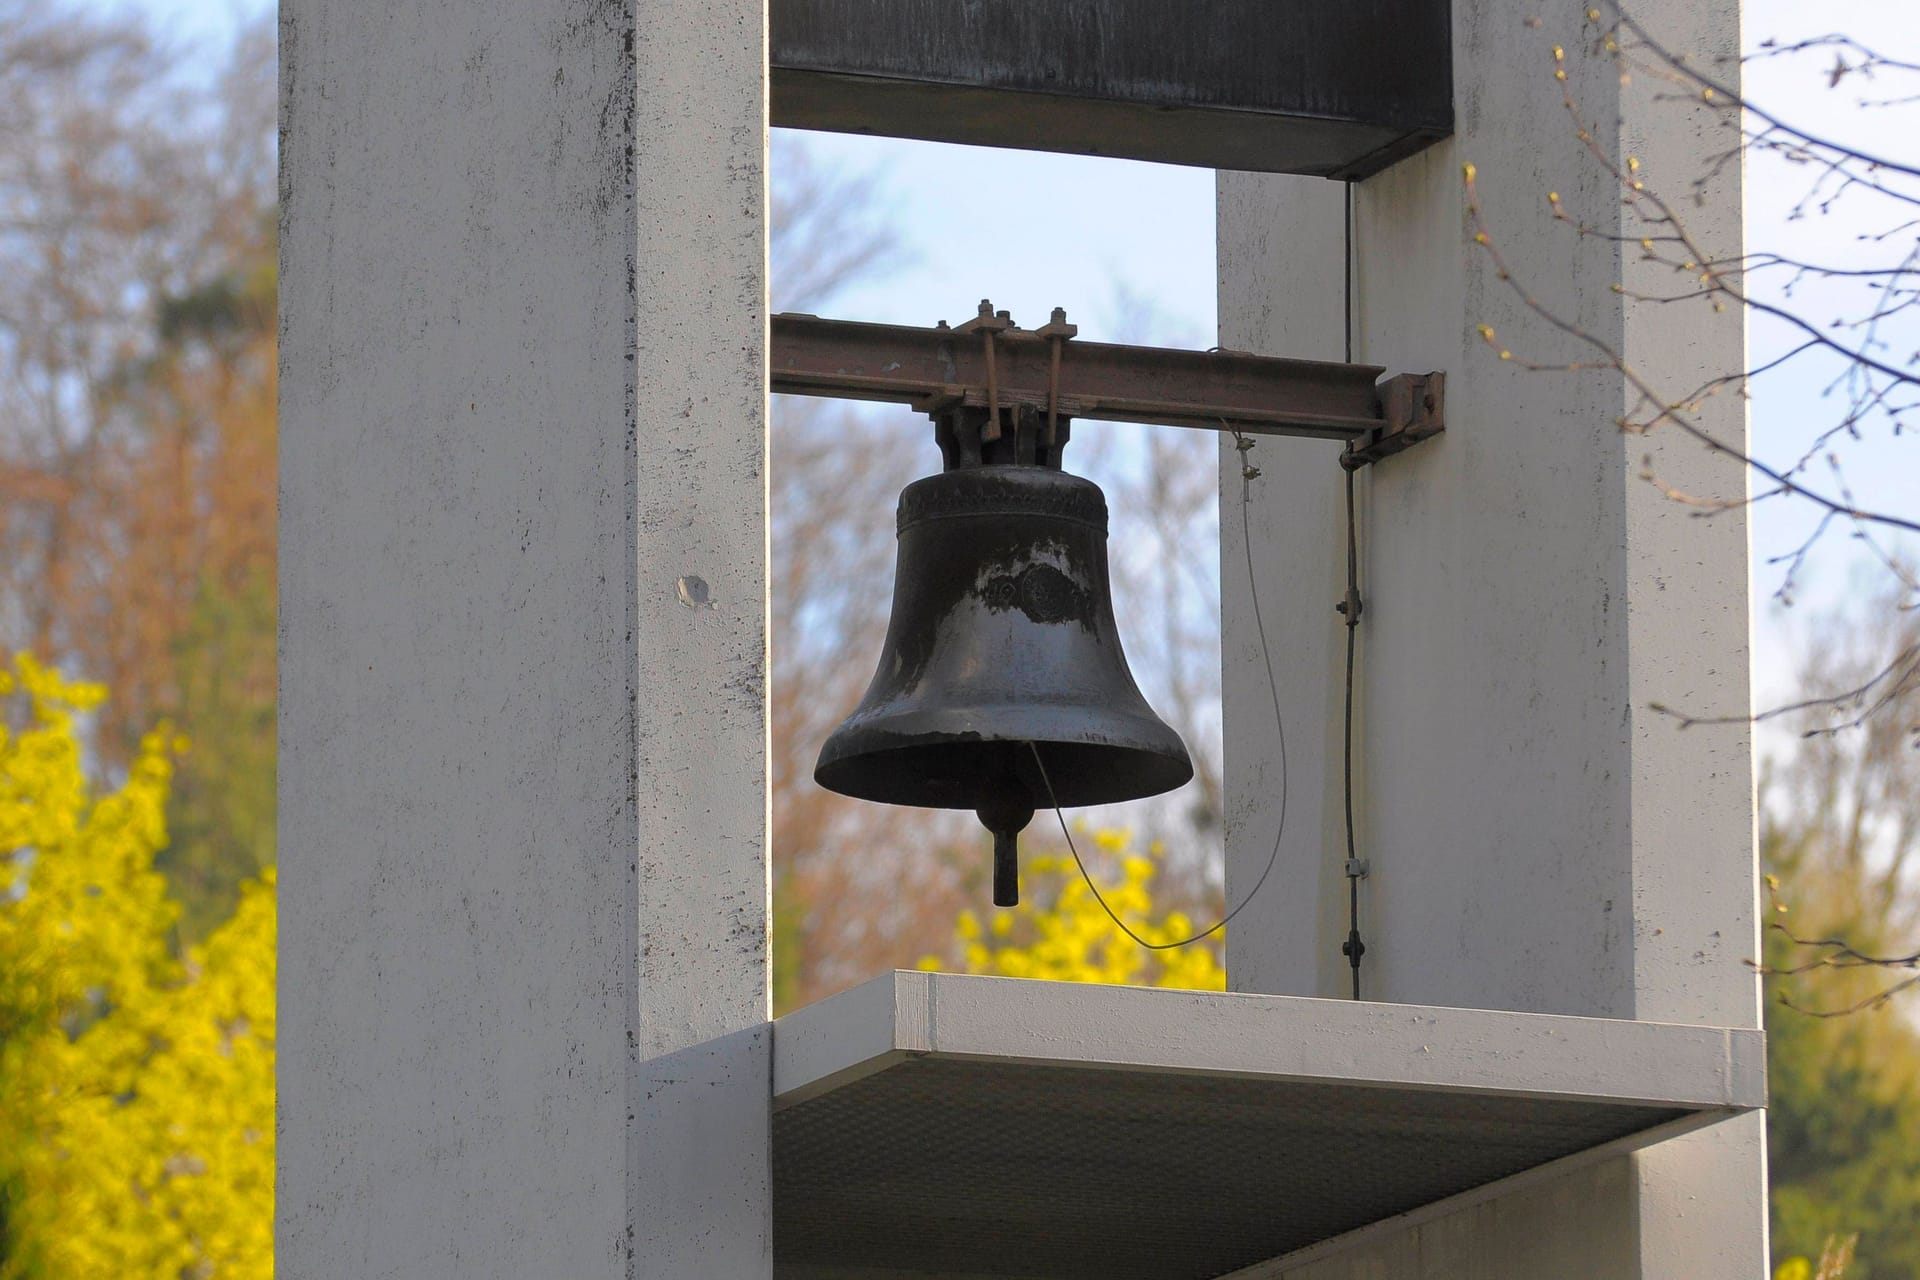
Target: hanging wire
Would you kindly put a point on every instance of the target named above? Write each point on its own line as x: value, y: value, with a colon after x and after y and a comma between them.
x: 1247, y: 474
x: 1351, y: 608
x: 1348, y: 256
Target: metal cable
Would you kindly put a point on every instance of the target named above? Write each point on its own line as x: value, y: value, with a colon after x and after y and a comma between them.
x: 1351, y: 608
x: 1247, y: 474
x: 1353, y: 948
x: 1347, y: 228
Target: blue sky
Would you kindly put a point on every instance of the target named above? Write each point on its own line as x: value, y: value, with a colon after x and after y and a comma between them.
x: 195, y: 22
x: 1100, y: 237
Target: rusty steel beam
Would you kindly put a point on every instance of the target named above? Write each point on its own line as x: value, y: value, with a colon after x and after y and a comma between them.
x: 936, y: 368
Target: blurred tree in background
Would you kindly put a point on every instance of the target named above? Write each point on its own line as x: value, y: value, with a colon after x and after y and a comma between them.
x: 137, y: 410
x: 136, y: 1087
x: 834, y: 476
x: 137, y: 398
x: 1840, y: 831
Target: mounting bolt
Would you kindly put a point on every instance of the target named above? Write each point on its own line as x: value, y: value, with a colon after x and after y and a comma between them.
x: 1058, y: 327
x: 988, y: 320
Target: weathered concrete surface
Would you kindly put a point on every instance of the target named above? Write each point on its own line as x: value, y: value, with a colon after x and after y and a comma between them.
x: 1579, y: 1225
x: 521, y: 794
x: 1539, y: 838
x: 1358, y: 1045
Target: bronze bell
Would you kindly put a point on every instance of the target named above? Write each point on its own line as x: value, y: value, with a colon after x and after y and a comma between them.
x: 1002, y: 635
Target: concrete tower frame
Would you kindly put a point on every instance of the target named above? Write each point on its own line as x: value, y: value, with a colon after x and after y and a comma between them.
x: 1538, y: 836
x: 525, y: 1022
x: 523, y: 958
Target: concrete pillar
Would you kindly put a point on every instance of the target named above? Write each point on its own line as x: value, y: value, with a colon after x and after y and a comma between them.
x: 1539, y: 838
x: 523, y: 969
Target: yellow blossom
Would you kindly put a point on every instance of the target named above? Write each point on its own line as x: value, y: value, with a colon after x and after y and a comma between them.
x: 136, y: 1089
x: 1059, y: 931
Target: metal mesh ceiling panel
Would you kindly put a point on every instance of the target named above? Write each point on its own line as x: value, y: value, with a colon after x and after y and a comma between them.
x: 937, y: 1166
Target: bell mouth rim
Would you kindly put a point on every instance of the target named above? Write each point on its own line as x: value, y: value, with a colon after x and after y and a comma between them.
x: 893, y: 768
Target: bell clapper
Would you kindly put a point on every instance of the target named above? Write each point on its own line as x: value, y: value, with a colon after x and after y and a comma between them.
x: 1006, y: 814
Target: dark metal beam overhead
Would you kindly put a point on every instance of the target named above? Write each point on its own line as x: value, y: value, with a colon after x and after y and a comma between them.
x: 1332, y: 88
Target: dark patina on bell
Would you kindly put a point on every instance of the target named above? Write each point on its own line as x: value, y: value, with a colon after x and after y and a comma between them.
x: 1002, y: 635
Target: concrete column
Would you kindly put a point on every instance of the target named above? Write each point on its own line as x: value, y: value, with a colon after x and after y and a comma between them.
x: 523, y: 969
x: 1539, y: 838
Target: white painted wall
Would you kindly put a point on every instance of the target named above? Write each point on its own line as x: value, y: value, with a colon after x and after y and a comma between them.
x: 523, y: 983
x: 1539, y: 838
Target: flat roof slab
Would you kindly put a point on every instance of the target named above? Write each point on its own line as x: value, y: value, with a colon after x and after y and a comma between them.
x: 940, y: 1124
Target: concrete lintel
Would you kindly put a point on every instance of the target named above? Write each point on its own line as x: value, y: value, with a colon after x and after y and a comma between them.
x: 1338, y: 88
x: 1278, y: 1038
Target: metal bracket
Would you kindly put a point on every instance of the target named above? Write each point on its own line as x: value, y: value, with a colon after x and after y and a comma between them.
x: 1412, y: 408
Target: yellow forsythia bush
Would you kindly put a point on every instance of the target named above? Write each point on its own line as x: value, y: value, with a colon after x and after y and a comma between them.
x: 136, y: 1088
x: 1059, y: 931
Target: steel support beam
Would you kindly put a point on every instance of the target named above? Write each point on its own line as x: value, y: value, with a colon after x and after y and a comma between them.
x: 935, y: 368
x: 1331, y: 88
